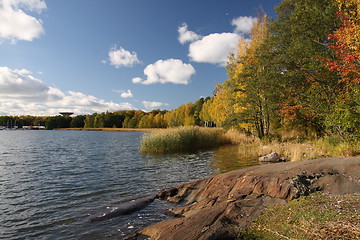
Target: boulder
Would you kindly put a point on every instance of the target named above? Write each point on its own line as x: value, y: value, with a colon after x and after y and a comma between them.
x: 271, y: 158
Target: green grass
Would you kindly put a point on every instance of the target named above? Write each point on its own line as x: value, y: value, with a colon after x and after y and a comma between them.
x: 182, y: 139
x: 318, y: 216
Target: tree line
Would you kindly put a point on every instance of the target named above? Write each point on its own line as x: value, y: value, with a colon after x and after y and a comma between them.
x: 185, y: 115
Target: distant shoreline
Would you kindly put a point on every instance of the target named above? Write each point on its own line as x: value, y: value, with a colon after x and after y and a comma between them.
x: 113, y: 129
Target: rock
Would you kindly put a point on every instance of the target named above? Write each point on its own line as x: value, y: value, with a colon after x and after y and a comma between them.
x: 271, y: 158
x: 218, y: 207
x: 125, y: 208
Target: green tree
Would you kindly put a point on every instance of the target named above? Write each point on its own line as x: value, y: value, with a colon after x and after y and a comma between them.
x: 77, y: 121
x: 89, y: 121
x: 306, y: 89
x: 57, y: 122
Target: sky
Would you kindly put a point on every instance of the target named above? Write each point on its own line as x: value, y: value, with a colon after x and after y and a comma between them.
x: 87, y: 56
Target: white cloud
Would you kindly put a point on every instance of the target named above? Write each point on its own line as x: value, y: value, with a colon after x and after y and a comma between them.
x: 137, y: 80
x: 167, y: 71
x: 243, y: 24
x: 19, y: 84
x: 124, y: 94
x: 185, y: 35
x: 122, y: 58
x: 31, y: 5
x: 21, y: 93
x: 153, y: 105
x: 15, y: 24
x: 214, y: 48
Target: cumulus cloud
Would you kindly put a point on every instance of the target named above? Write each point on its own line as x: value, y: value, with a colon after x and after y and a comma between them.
x: 185, y: 35
x: 243, y: 24
x: 214, y: 48
x: 16, y: 24
x: 153, y: 105
x: 124, y: 94
x: 21, y: 93
x: 19, y: 84
x: 122, y: 58
x: 167, y: 71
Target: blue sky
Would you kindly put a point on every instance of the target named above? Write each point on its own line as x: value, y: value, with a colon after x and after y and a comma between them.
x: 96, y: 56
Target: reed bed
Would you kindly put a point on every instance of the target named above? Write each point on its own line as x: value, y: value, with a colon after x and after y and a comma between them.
x: 183, y: 139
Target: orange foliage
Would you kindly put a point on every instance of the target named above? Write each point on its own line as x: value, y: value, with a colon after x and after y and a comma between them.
x: 346, y: 44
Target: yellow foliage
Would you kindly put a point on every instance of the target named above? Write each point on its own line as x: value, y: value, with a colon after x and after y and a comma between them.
x: 221, y: 106
x: 246, y: 56
x: 243, y: 47
x: 351, y: 9
x: 231, y: 97
x: 204, y: 114
x: 259, y: 33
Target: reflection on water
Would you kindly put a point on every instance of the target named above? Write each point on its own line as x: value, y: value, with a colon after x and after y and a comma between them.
x: 228, y: 158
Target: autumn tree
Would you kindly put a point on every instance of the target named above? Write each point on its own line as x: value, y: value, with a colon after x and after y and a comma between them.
x: 221, y: 106
x: 204, y: 113
x: 344, y: 119
x: 243, y: 96
x: 346, y: 43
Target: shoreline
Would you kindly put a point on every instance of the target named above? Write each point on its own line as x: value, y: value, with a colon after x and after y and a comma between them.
x: 218, y: 207
x: 149, y: 130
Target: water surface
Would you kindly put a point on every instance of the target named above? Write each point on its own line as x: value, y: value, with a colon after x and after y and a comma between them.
x: 52, y: 182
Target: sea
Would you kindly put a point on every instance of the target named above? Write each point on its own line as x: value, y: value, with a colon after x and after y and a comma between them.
x: 53, y: 182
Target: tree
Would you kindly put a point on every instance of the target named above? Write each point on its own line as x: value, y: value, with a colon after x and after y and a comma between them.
x: 345, y: 41
x: 221, y: 107
x: 307, y: 90
x: 253, y: 89
x: 246, y: 90
x: 57, y: 122
x: 197, y: 109
x: 89, y: 121
x: 159, y: 121
x: 204, y: 113
x: 77, y: 121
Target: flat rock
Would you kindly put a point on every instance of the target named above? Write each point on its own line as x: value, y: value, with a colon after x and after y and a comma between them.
x: 217, y: 207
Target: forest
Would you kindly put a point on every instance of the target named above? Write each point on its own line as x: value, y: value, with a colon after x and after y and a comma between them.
x: 299, y: 72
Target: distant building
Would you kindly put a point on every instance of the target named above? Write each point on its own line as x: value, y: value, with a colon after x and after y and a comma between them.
x: 66, y: 114
x: 34, y: 127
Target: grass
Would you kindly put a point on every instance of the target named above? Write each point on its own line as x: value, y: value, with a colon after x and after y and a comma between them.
x: 293, y: 150
x: 317, y: 216
x: 323, y: 147
x: 183, y: 139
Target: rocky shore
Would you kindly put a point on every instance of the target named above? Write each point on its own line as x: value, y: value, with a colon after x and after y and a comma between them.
x: 218, y: 207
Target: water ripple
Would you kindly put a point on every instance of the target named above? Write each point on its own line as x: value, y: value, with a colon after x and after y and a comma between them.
x: 52, y: 182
